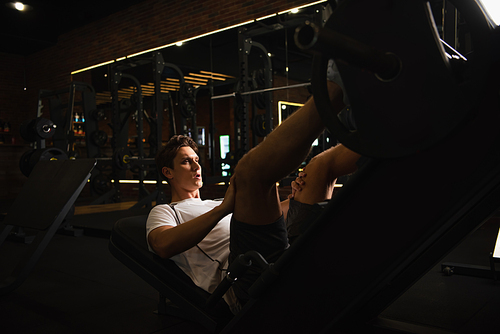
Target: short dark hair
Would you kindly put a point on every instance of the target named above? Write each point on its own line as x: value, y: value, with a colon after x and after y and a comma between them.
x: 166, y: 156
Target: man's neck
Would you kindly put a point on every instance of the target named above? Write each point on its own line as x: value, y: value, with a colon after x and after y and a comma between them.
x: 179, y: 196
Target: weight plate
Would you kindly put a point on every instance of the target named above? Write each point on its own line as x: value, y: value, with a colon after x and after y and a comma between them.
x: 120, y: 158
x: 24, y: 163
x: 44, y: 128
x: 100, y: 184
x: 99, y: 138
x: 187, y: 107
x: 30, y: 158
x: 187, y: 90
x: 426, y: 101
x: 259, y: 125
x: 27, y: 132
x: 98, y: 114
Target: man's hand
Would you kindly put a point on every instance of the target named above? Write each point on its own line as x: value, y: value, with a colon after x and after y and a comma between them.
x: 227, y: 204
x: 297, y: 184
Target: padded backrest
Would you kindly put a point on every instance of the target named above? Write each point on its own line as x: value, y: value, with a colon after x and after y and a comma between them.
x: 50, y: 187
x: 129, y: 237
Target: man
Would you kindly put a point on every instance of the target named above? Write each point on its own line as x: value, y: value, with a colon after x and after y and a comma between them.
x: 257, y: 222
x: 192, y: 232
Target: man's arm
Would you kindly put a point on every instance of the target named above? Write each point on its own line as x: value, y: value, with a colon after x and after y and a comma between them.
x: 168, y: 241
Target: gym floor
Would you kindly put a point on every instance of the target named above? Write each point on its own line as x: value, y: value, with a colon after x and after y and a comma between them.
x: 77, y: 286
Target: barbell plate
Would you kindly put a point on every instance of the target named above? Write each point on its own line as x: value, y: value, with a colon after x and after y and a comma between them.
x: 99, y: 138
x: 426, y: 101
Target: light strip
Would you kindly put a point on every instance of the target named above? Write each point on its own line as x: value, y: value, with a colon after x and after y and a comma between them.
x: 206, y: 76
x: 496, y: 250
x: 195, y: 82
x: 150, y: 182
x: 282, y: 103
x: 217, y: 74
x: 188, y: 39
x: 93, y: 66
x: 266, y: 17
x: 193, y: 38
x: 337, y: 185
x: 195, y: 79
x: 458, y: 53
x: 137, y: 181
x: 169, y: 84
x: 303, y: 6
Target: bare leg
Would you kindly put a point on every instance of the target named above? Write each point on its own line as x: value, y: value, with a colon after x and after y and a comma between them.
x: 257, y: 201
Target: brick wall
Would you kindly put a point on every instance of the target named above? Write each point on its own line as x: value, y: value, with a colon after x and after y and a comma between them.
x: 13, y: 98
x: 140, y: 27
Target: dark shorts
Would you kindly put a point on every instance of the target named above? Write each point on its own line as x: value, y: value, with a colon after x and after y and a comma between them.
x: 299, y: 217
x: 269, y: 240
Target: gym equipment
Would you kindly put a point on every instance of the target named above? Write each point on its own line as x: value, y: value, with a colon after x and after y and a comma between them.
x: 454, y: 268
x: 100, y: 183
x: 98, y: 114
x: 258, y: 91
x: 37, y: 130
x: 259, y: 125
x: 188, y: 103
x: 387, y: 65
x: 30, y: 158
x: 64, y: 105
x: 48, y: 194
x: 122, y: 158
x: 185, y: 299
x: 99, y: 138
x: 372, y: 243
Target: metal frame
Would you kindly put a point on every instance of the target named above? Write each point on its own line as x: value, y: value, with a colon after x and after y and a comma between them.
x: 51, y: 190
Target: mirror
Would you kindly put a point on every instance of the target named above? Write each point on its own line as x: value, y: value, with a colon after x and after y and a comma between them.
x: 201, y: 93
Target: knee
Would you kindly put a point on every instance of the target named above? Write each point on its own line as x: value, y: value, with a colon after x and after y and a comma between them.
x: 248, y: 173
x: 243, y: 173
x: 251, y: 171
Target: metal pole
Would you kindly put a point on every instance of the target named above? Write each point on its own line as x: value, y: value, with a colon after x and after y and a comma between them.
x: 261, y: 90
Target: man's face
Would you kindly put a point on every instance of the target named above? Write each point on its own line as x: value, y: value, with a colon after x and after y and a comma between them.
x: 187, y: 171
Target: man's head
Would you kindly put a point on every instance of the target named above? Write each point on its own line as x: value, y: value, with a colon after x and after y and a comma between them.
x: 166, y: 156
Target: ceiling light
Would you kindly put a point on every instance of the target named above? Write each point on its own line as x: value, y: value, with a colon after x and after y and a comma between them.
x: 19, y: 6
x: 492, y: 8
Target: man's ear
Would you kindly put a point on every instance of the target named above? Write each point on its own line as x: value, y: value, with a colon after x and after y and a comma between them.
x: 167, y: 173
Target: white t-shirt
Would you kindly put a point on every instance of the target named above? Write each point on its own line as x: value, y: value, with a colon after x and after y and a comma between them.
x: 198, y: 262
